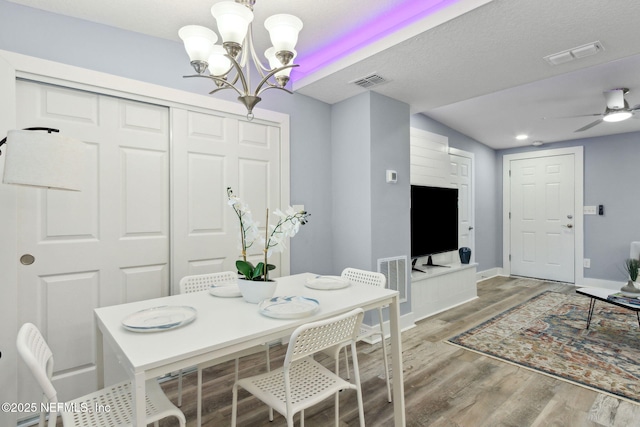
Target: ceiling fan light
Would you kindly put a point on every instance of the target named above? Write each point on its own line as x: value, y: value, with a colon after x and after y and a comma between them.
x: 283, y: 30
x: 233, y: 20
x: 219, y: 64
x: 617, y: 116
x: 198, y: 41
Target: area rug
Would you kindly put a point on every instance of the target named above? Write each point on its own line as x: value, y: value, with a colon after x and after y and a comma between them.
x: 548, y: 334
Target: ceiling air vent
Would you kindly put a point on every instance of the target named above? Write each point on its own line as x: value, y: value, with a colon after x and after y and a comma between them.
x: 574, y: 53
x: 369, y: 81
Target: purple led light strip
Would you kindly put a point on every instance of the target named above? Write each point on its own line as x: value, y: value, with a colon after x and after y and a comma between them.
x: 387, y: 23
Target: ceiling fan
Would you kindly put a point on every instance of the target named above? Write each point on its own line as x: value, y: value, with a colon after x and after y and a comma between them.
x: 616, y: 111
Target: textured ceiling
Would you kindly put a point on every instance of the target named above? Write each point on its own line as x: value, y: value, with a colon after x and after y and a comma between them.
x: 474, y: 65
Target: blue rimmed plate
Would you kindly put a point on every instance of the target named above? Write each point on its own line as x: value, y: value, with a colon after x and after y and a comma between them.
x: 159, y: 318
x: 230, y: 290
x: 327, y: 282
x: 291, y: 307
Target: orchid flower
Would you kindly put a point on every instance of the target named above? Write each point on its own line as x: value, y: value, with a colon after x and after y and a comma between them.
x: 288, y: 225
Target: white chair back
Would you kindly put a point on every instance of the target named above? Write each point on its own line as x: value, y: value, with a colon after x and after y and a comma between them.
x: 38, y: 357
x: 202, y: 282
x: 366, y: 277
x: 316, y: 336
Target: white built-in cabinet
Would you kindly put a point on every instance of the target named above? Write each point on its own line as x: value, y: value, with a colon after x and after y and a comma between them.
x: 439, y: 288
x: 434, y: 163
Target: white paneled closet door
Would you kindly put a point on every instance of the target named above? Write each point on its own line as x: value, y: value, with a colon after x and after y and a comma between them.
x: 210, y: 153
x: 105, y: 245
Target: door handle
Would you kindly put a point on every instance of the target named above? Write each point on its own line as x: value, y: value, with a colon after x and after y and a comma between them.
x: 568, y: 226
x: 470, y: 228
x: 27, y: 259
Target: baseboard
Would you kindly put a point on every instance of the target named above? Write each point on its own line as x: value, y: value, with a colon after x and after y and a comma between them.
x: 406, y: 323
x: 601, y: 283
x: 487, y: 274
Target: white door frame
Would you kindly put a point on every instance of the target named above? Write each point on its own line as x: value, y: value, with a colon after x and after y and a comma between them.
x: 578, y: 153
x: 56, y: 73
x: 8, y: 254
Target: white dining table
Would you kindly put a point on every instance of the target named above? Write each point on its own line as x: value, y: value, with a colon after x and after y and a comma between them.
x: 224, y: 326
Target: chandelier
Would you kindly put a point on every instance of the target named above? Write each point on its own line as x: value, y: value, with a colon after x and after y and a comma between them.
x: 229, y: 63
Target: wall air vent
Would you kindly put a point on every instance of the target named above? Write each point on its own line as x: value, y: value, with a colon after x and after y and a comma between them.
x: 369, y: 81
x: 395, y: 270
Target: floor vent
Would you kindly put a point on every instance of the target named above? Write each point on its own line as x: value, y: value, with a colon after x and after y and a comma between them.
x: 395, y: 270
x: 369, y: 81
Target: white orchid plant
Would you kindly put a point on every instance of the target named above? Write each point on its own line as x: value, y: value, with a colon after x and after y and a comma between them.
x: 288, y: 225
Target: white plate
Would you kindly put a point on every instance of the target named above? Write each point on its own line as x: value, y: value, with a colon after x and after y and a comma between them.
x: 225, y: 291
x: 327, y: 282
x: 159, y: 318
x: 292, y: 307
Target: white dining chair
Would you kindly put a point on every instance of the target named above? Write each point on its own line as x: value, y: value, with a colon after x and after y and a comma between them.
x: 302, y: 381
x: 37, y: 355
x: 202, y: 282
x: 372, y: 278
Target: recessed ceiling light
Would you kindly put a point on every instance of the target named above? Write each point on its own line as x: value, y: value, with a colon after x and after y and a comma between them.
x: 537, y: 143
x: 522, y: 137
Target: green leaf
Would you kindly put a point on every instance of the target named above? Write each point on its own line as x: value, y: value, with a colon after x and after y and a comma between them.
x: 246, y: 268
x: 259, y: 271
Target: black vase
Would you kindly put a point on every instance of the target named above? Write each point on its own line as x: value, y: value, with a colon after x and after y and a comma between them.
x: 465, y: 255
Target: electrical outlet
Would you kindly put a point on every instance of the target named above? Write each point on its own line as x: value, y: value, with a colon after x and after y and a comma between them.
x: 586, y: 263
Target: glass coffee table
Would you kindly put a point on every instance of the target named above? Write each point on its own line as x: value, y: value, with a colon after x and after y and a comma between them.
x: 602, y: 294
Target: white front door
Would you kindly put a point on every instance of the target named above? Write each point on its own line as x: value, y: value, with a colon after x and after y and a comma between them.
x: 462, y: 178
x: 105, y: 245
x: 542, y: 213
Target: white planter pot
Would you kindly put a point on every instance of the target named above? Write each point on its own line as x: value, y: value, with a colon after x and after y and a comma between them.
x: 256, y: 291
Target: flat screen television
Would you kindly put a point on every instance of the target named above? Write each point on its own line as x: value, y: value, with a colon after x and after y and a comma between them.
x: 434, y: 222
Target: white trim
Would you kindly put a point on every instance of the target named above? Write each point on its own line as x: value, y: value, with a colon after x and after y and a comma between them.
x: 406, y: 322
x: 8, y: 254
x: 578, y: 152
x: 488, y: 274
x: 601, y: 283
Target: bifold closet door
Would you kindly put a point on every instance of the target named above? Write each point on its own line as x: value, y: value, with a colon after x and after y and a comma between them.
x: 210, y: 153
x: 107, y: 244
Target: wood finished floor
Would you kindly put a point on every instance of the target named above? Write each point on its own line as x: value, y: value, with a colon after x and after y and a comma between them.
x: 445, y: 386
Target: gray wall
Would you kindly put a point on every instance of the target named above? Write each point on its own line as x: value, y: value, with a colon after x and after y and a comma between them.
x: 611, y: 179
x: 351, y: 163
x: 488, y: 199
x: 390, y: 203
x: 371, y: 216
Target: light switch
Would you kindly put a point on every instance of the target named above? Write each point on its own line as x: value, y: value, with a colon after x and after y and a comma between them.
x: 589, y: 210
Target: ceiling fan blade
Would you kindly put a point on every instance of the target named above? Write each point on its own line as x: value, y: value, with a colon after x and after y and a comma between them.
x: 574, y: 117
x: 589, y: 126
x: 615, y: 98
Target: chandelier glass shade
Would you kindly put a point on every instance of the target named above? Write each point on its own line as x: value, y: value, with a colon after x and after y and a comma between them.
x: 228, y: 64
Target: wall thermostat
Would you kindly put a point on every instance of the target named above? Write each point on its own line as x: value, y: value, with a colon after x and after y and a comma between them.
x: 392, y: 176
